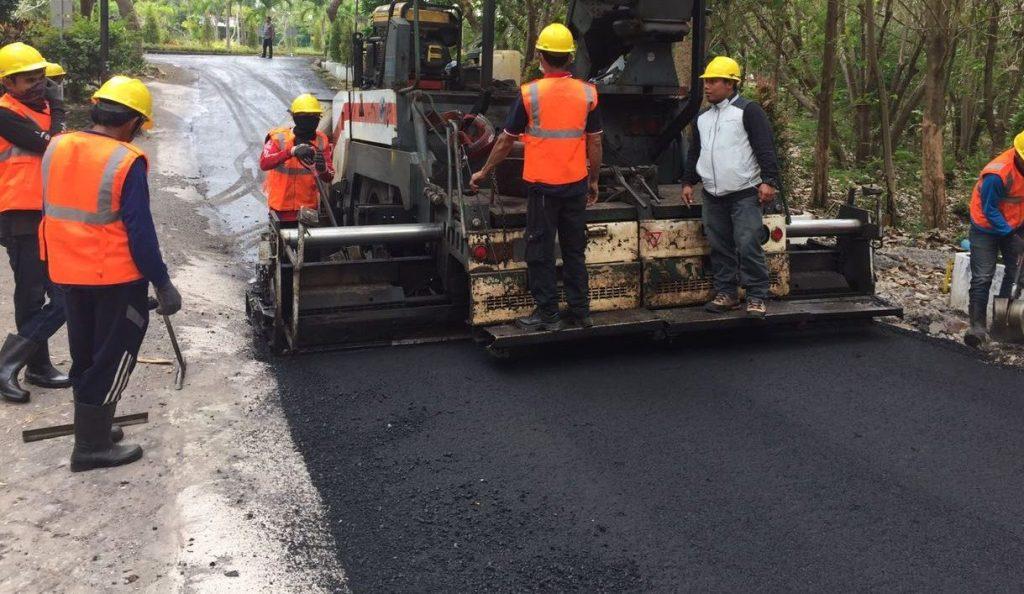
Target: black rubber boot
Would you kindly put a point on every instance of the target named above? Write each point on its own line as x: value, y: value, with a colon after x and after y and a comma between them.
x: 539, y: 321
x: 42, y: 373
x: 94, y: 447
x: 14, y: 355
x: 579, y: 320
x: 977, y: 335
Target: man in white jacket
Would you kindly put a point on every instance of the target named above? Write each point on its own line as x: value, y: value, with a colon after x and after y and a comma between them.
x: 733, y: 154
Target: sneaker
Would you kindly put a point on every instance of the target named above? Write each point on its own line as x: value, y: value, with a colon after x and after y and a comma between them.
x: 539, y: 321
x: 756, y: 308
x: 722, y: 303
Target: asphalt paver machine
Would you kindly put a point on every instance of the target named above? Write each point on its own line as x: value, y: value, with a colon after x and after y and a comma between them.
x: 402, y: 250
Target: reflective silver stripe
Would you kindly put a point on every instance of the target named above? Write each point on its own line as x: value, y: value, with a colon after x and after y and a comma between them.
x: 292, y: 170
x: 15, y: 151
x: 591, y: 102
x: 535, y: 130
x: 47, y: 156
x: 555, y: 133
x: 106, y: 198
x: 105, y: 214
x: 534, y: 105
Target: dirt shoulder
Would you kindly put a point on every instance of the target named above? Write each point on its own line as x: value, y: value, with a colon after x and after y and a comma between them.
x: 221, y: 494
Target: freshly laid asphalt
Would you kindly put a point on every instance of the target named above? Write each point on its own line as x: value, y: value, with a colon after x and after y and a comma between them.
x: 830, y: 459
x: 834, y: 458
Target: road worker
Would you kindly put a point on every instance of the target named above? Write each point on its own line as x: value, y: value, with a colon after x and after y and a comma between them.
x: 997, y: 219
x: 733, y: 154
x: 290, y: 157
x: 56, y: 74
x: 31, y: 113
x: 100, y: 245
x: 558, y: 120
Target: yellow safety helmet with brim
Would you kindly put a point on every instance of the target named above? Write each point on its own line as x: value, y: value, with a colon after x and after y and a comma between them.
x: 557, y: 39
x: 723, y: 67
x: 17, y: 58
x: 129, y: 92
x: 1018, y: 143
x: 54, y: 70
x: 306, y: 103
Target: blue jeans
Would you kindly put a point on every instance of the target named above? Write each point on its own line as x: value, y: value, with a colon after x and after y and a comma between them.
x: 35, y: 318
x: 733, y: 224
x: 985, y: 250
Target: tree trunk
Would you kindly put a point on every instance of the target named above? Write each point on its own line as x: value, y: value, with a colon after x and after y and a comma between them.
x: 227, y: 27
x: 996, y: 129
x: 819, y: 192
x: 938, y: 39
x: 868, y: 15
x: 128, y: 14
x: 86, y: 6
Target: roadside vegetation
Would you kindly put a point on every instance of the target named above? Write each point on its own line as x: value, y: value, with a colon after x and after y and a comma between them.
x: 913, y: 96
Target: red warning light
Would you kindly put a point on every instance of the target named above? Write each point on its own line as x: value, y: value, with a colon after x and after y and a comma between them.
x: 479, y: 253
x: 777, y: 234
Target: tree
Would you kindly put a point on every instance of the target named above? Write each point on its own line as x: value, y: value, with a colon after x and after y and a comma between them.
x: 819, y: 192
x: 868, y: 16
x: 940, y: 47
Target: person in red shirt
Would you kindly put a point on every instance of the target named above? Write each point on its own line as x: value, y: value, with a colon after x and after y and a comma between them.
x: 294, y: 158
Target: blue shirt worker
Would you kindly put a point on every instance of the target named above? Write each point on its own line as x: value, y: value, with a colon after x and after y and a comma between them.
x: 100, y: 245
x: 997, y: 218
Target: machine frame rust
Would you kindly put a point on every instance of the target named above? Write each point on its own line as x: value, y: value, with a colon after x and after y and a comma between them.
x: 403, y: 251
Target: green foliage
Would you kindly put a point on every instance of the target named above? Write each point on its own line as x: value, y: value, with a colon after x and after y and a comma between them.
x: 78, y: 51
x: 207, y: 32
x: 335, y: 45
x: 7, y: 8
x: 150, y: 26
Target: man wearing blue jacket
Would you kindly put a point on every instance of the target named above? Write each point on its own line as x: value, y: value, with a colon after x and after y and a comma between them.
x: 997, y: 216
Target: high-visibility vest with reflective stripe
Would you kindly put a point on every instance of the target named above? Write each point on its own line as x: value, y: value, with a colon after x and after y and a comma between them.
x: 555, y: 140
x: 20, y: 182
x: 1012, y: 206
x: 82, y: 237
x: 290, y: 185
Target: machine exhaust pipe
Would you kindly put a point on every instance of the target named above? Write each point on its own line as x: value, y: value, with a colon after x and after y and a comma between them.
x: 330, y: 237
x: 823, y: 227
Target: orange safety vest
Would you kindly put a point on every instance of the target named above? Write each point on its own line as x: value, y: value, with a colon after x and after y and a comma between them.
x: 1013, y: 206
x: 21, y: 186
x: 555, y: 140
x: 290, y: 185
x: 82, y: 237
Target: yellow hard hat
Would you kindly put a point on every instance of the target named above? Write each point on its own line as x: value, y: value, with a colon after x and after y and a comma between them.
x: 723, y: 67
x: 557, y: 39
x: 53, y: 70
x: 17, y: 57
x: 129, y: 92
x: 308, y: 104
x: 1018, y: 143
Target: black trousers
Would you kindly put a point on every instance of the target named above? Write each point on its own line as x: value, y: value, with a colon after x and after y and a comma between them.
x: 565, y: 217
x: 35, y: 318
x: 268, y: 45
x: 106, y: 326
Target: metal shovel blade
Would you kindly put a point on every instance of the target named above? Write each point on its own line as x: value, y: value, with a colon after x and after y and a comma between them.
x: 1008, y: 319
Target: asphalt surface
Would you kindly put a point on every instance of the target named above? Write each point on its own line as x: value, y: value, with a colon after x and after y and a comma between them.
x: 857, y: 458
x: 835, y: 459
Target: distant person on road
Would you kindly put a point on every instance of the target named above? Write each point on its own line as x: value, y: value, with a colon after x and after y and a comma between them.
x: 733, y: 154
x: 31, y: 114
x: 100, y: 245
x: 294, y: 158
x: 997, y: 220
x: 558, y: 120
x: 268, y: 39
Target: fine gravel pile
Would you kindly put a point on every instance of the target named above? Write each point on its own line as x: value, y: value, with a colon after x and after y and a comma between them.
x: 813, y: 460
